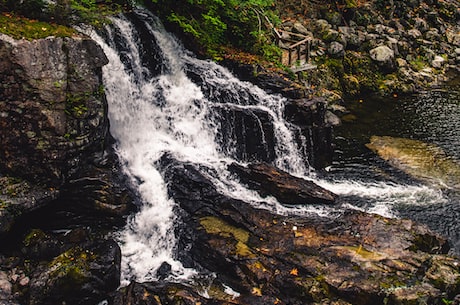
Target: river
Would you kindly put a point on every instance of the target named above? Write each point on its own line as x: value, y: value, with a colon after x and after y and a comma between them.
x: 432, y: 117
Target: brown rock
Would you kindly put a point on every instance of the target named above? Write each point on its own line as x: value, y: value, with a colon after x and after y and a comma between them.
x: 269, y: 180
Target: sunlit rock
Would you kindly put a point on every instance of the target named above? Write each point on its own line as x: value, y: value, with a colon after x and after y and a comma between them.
x: 419, y: 159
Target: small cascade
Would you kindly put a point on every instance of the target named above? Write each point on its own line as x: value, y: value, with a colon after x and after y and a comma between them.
x: 163, y: 100
x: 192, y: 109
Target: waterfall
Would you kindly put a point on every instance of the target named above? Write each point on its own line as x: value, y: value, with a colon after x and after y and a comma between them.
x: 162, y: 99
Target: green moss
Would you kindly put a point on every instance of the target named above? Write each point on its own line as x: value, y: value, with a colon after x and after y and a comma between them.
x: 23, y: 28
x: 72, y: 266
x: 214, y: 225
x: 418, y: 63
x: 76, y: 104
x: 35, y: 236
x: 4, y: 204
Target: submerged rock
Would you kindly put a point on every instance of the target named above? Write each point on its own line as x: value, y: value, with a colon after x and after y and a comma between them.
x: 421, y: 160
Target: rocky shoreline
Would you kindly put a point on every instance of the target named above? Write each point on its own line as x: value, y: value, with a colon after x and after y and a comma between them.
x: 368, y: 47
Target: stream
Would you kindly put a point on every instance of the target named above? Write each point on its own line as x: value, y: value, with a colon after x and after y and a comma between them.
x: 432, y: 117
x: 163, y: 100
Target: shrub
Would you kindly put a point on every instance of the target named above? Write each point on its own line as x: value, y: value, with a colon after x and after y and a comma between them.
x: 220, y: 22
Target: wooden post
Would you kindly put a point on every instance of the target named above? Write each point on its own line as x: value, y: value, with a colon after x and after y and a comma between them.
x: 298, y: 52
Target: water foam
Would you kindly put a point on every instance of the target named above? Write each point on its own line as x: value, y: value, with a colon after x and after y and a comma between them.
x: 169, y: 113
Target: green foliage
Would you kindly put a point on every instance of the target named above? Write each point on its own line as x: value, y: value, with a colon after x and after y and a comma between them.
x: 418, y: 63
x: 214, y: 23
x: 76, y: 104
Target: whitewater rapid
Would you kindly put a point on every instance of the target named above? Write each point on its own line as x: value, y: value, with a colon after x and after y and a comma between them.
x: 156, y: 113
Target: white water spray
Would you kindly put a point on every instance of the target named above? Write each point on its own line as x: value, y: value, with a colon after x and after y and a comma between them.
x: 154, y: 114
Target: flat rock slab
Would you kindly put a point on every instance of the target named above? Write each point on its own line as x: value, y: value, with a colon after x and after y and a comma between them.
x: 267, y: 258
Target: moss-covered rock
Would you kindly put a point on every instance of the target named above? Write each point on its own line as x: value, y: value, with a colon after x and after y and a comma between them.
x: 82, y: 274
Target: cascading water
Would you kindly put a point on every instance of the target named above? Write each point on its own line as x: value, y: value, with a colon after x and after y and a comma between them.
x: 158, y: 110
x: 164, y: 100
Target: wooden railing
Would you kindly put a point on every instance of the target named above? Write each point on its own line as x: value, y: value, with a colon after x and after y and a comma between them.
x: 296, y: 48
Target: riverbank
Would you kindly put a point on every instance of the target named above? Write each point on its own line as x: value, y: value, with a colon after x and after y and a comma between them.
x: 363, y: 47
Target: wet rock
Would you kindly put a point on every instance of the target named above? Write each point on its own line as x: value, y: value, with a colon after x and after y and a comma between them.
x: 54, y: 130
x: 314, y: 131
x: 52, y: 91
x: 268, y: 180
x: 57, y: 172
x: 156, y: 293
x: 18, y: 197
x: 355, y: 259
x: 246, y: 134
x: 84, y: 274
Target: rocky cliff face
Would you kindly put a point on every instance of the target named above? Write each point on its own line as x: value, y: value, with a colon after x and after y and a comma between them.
x: 53, y: 125
x: 56, y: 171
x: 53, y: 111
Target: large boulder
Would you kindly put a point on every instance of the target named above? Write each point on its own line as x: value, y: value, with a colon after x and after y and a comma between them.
x: 53, y: 110
x: 54, y: 129
x: 59, y: 267
x: 57, y: 173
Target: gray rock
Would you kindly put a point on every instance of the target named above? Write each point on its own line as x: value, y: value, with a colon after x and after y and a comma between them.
x: 301, y: 29
x: 437, y: 62
x: 356, y: 40
x: 331, y: 35
x: 414, y: 33
x: 421, y: 24
x: 432, y: 34
x: 322, y: 25
x: 383, y: 55
x: 401, y: 62
x: 332, y: 119
x: 336, y: 49
x: 346, y: 30
x: 453, y: 37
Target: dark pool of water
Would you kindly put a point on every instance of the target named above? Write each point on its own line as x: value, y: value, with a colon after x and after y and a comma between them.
x: 433, y: 117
